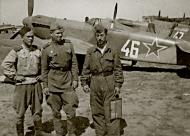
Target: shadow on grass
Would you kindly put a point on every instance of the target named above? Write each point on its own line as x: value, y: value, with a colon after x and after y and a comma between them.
x: 123, y: 124
x: 182, y: 72
x: 81, y: 123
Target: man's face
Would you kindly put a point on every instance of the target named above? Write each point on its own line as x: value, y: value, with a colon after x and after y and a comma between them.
x: 101, y: 39
x: 57, y: 35
x: 28, y: 38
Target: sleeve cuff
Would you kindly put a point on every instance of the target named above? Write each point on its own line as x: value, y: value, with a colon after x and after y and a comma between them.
x: 44, y: 85
x: 118, y: 85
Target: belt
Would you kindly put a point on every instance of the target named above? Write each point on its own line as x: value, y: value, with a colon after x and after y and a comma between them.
x: 104, y: 74
x: 60, y: 68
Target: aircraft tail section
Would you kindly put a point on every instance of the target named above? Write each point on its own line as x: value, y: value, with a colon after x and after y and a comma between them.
x: 182, y: 38
x: 180, y: 32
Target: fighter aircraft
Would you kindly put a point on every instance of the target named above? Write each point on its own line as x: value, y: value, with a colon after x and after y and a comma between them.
x: 7, y: 27
x: 163, y: 26
x: 182, y: 20
x: 134, y: 45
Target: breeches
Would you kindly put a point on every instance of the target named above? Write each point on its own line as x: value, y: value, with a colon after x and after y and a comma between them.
x: 25, y: 95
x: 68, y: 100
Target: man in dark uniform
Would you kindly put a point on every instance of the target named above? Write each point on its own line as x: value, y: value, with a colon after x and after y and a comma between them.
x: 102, y: 71
x: 151, y: 26
x: 60, y: 76
x: 22, y: 65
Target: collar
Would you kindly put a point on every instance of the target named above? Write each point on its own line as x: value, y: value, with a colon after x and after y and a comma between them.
x: 33, y: 47
x: 63, y: 42
x: 102, y: 50
x: 107, y: 48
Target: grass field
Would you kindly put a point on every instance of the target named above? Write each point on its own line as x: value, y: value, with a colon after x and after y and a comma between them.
x: 156, y: 102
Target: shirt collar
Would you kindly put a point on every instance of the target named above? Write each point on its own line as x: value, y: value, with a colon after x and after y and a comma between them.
x: 105, y: 50
x: 102, y: 50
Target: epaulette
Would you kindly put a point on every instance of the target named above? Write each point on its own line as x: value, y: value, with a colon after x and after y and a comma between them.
x: 46, y: 45
x: 67, y: 41
x: 91, y: 49
x: 17, y: 48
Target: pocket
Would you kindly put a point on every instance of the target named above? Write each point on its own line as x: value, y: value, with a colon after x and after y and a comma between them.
x: 109, y: 63
x: 109, y: 57
x: 68, y: 51
x: 51, y: 55
x: 22, y: 61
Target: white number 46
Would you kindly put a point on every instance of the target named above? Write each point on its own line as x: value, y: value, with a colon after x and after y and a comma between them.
x: 131, y: 51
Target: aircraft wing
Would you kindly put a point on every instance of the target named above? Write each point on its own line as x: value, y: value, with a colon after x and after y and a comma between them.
x: 131, y: 23
x: 80, y: 46
x: 4, y: 28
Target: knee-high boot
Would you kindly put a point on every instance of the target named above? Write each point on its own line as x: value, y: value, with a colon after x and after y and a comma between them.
x: 38, y: 128
x: 58, y: 127
x: 20, y: 129
x: 71, y: 128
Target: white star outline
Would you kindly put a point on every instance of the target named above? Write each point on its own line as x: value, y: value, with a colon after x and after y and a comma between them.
x: 157, y: 45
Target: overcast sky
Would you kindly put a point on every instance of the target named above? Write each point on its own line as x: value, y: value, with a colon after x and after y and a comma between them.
x: 13, y: 11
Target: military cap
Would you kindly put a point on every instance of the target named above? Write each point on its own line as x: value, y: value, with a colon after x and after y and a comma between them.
x: 99, y: 28
x: 24, y: 30
x: 56, y: 26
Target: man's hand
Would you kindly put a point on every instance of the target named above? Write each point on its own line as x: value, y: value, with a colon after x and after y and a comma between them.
x: 117, y: 91
x: 39, y: 78
x: 74, y: 85
x: 46, y: 91
x: 86, y: 89
x: 19, y: 78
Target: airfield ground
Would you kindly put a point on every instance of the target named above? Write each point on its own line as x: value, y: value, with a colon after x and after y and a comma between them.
x: 156, y: 102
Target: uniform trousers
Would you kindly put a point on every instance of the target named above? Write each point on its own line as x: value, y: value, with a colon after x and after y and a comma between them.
x: 102, y: 92
x: 67, y: 100
x: 25, y: 95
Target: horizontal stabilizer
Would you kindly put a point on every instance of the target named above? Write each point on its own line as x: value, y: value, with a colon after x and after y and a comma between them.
x: 184, y: 46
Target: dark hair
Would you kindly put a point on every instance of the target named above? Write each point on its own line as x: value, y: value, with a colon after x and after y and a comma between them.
x: 55, y: 26
x: 99, y: 29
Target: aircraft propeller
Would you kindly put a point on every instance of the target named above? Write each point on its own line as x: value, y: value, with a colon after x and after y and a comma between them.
x: 30, y: 12
x: 159, y: 14
x: 114, y: 15
x: 30, y: 7
x: 115, y: 12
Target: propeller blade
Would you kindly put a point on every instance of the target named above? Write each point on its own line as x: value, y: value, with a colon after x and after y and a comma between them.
x: 159, y: 13
x: 15, y: 35
x: 30, y: 7
x: 184, y: 16
x: 115, y: 12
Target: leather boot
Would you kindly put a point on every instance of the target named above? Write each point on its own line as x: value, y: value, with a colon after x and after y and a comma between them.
x: 58, y: 127
x: 38, y: 128
x: 20, y: 129
x: 113, y: 128
x: 71, y: 127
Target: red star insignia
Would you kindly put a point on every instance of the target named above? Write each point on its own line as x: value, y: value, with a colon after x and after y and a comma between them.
x: 154, y: 48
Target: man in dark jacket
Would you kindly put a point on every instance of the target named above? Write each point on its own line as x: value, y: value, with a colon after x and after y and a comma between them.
x: 102, y: 71
x: 60, y: 79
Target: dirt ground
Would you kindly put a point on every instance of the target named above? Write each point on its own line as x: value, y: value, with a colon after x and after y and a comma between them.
x: 156, y: 102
